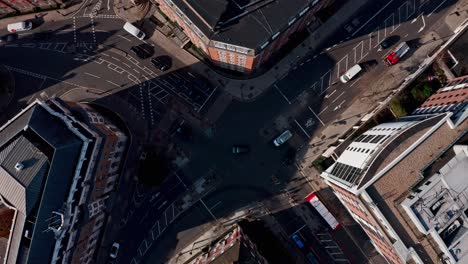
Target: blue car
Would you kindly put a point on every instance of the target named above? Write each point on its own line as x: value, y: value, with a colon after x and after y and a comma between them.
x: 298, y: 241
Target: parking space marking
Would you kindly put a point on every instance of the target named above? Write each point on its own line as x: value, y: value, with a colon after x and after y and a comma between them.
x: 282, y: 94
x: 322, y: 90
x: 338, y: 71
x: 318, y: 118
x: 302, y: 129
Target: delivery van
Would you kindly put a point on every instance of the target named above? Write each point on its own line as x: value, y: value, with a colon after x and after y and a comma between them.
x: 136, y: 32
x: 19, y: 26
x: 351, y: 73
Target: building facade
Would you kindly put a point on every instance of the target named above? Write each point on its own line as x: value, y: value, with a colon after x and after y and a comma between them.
x: 384, y: 173
x: 452, y: 97
x: 241, y: 36
x: 233, y: 247
x: 58, y: 163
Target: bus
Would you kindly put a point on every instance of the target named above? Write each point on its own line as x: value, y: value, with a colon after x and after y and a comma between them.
x: 313, y: 200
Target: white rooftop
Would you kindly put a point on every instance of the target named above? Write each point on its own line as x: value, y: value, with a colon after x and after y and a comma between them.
x: 440, y: 206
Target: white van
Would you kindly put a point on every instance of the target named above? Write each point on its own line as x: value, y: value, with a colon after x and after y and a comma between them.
x: 351, y: 73
x: 136, y: 32
x: 19, y: 26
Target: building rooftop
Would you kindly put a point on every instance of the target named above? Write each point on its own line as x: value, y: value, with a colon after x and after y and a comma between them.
x: 245, y: 23
x: 38, y: 151
x: 388, y: 195
x: 370, y: 153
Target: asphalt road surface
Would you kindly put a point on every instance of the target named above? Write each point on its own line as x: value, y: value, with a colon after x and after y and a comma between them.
x: 91, y: 54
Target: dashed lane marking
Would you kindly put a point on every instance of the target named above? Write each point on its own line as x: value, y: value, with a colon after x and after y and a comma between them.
x: 95, y: 76
x: 74, y: 29
x: 113, y: 83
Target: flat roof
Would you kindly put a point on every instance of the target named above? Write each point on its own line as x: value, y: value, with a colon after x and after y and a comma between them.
x: 389, y: 195
x: 245, y: 23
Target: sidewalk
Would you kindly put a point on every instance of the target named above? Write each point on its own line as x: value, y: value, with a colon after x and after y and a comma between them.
x: 44, y: 16
x: 262, y: 83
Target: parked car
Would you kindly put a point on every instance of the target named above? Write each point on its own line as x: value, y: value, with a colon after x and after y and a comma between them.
x: 297, y: 240
x: 351, y: 73
x: 19, y: 26
x: 114, y: 250
x: 239, y: 149
x: 160, y: 63
x: 9, y: 38
x: 285, y: 136
x: 143, y: 51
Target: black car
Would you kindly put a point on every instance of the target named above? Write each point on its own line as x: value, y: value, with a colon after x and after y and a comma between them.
x: 388, y: 42
x: 160, y: 64
x: 143, y: 51
x: 240, y: 149
x: 9, y: 37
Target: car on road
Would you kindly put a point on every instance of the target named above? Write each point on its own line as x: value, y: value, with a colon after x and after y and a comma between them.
x: 134, y: 31
x: 143, y: 51
x: 351, y: 73
x: 240, y: 149
x: 297, y: 240
x: 19, y: 26
x: 160, y: 63
x: 285, y: 136
x: 394, y: 56
x: 114, y: 250
x: 9, y: 38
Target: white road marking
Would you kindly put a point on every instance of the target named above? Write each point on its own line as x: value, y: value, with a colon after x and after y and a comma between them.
x: 303, y: 130
x: 323, y: 110
x: 424, y: 24
x: 341, y: 94
x: 74, y: 30
x: 124, y: 38
x: 430, y: 14
x: 105, y: 54
x: 108, y: 5
x: 126, y: 64
x: 216, y: 204
x: 318, y: 118
x: 113, y: 83
x: 355, y: 82
x: 95, y: 76
x: 352, y: 35
x: 282, y: 94
x: 115, y: 58
x: 330, y: 94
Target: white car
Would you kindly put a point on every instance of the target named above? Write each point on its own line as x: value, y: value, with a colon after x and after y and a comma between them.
x: 285, y: 136
x: 114, y: 250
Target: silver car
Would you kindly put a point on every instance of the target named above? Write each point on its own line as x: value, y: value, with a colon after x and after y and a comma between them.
x: 285, y: 136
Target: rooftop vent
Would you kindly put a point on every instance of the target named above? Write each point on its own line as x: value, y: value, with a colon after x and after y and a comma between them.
x: 19, y: 166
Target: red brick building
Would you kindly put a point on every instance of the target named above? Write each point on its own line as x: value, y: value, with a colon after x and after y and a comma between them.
x: 241, y: 35
x: 59, y: 161
x: 402, y: 182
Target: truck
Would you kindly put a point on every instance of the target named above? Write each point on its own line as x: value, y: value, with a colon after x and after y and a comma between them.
x: 394, y: 56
